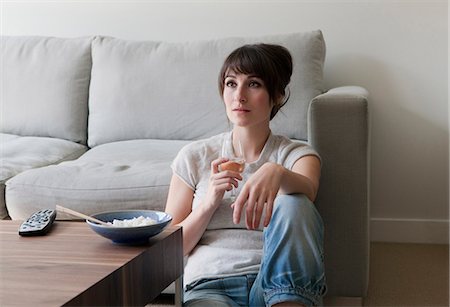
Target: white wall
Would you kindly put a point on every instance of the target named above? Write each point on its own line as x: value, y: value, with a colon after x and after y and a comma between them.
x: 396, y: 49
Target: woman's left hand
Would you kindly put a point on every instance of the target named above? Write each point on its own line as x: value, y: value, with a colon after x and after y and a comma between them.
x: 258, y: 195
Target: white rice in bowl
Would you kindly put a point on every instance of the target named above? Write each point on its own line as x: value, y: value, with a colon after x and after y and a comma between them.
x: 134, y: 222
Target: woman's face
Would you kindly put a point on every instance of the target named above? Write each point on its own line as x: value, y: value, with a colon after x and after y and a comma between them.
x: 246, y: 100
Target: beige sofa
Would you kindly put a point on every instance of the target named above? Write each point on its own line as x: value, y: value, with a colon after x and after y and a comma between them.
x: 93, y: 124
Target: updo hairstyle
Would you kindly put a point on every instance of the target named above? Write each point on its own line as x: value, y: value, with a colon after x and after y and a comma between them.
x: 271, y: 63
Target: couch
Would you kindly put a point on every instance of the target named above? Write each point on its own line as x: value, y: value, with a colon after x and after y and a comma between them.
x: 93, y: 123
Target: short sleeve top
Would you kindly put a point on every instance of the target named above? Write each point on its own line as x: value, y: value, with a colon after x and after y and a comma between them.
x: 222, y: 238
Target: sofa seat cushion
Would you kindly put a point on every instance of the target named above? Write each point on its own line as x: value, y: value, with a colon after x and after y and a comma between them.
x: 21, y: 153
x: 115, y: 176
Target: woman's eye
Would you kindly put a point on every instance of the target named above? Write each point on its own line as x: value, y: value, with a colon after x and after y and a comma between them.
x: 230, y: 84
x: 254, y: 84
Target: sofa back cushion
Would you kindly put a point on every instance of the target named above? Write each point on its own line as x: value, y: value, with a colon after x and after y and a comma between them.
x: 45, y: 86
x: 164, y: 90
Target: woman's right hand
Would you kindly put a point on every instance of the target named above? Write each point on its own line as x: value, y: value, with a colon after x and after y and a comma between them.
x: 219, y: 182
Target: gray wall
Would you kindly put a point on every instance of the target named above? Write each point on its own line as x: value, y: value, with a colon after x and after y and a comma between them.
x: 396, y: 49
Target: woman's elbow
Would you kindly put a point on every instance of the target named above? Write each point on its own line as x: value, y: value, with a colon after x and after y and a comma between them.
x: 312, y: 193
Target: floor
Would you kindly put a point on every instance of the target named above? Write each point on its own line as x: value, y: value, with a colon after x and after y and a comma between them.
x: 408, y: 275
x: 400, y: 275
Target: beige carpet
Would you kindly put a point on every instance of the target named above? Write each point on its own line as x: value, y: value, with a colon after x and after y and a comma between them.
x: 400, y: 275
x: 408, y: 275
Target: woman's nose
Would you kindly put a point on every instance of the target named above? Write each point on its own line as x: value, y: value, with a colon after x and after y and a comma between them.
x: 240, y: 95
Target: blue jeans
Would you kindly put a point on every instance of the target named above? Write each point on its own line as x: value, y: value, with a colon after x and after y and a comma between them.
x: 292, y: 268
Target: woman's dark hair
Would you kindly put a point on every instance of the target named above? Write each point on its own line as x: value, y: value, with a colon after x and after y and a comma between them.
x: 270, y: 63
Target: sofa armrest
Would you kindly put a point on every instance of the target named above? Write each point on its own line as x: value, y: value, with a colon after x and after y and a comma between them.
x: 338, y: 130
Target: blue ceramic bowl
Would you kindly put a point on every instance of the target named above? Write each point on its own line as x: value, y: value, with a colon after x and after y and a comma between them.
x: 130, y: 235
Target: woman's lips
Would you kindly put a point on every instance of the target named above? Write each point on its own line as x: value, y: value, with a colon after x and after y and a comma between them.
x: 239, y: 110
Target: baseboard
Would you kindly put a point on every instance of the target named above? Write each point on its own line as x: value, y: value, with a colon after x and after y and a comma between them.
x: 427, y: 231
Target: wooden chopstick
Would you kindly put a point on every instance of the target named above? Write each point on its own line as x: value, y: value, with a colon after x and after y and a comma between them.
x: 79, y: 214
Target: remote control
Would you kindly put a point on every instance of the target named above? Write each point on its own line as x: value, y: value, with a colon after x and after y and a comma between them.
x: 38, y: 224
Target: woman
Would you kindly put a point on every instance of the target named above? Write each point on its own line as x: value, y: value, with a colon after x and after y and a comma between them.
x: 265, y: 248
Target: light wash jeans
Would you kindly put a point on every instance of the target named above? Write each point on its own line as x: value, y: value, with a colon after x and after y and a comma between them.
x: 292, y: 268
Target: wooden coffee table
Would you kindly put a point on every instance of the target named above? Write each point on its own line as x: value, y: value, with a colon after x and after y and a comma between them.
x: 72, y: 265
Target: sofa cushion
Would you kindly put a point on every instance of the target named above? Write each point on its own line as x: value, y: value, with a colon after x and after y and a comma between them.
x: 115, y: 176
x: 45, y: 84
x: 165, y: 90
x: 20, y: 153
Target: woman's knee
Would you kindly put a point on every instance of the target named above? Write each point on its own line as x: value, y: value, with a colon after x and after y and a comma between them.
x: 295, y: 208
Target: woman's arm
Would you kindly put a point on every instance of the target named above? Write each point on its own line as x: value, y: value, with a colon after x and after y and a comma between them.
x: 179, y: 204
x: 304, y: 177
x: 259, y: 192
